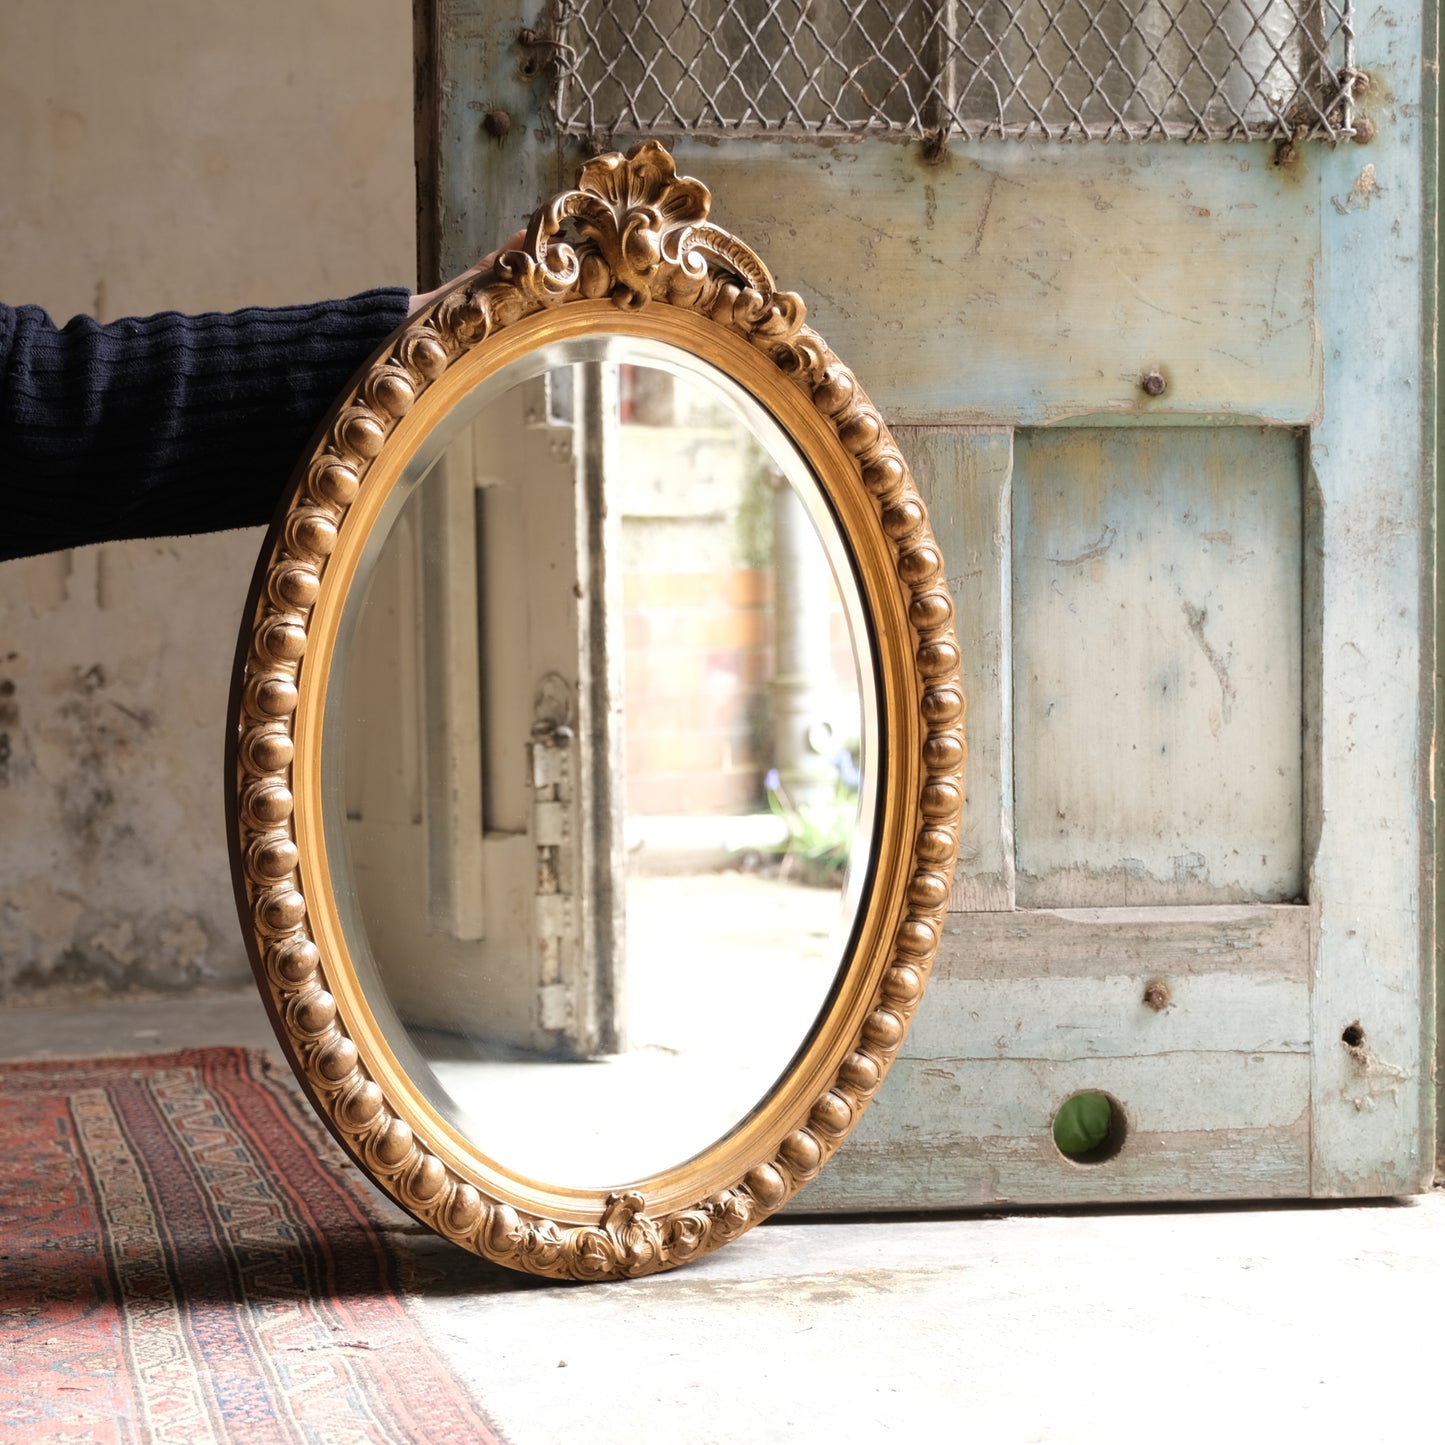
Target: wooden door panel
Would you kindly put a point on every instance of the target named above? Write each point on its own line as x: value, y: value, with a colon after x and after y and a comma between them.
x: 1025, y: 1009
x: 1028, y: 284
x: 972, y: 1136
x: 965, y: 476
x: 1156, y: 666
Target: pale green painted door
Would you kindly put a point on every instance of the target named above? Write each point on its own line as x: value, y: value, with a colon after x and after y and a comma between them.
x: 1165, y: 400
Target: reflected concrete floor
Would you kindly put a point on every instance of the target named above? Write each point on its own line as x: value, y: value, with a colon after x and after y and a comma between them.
x: 726, y: 974
x: 1142, y: 1325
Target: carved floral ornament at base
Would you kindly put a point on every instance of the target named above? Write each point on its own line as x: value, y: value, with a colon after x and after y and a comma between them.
x: 634, y: 233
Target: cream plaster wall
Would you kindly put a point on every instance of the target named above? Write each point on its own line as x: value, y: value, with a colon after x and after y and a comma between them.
x: 160, y: 154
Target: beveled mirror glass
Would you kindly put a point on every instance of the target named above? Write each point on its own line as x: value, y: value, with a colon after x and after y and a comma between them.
x: 597, y: 746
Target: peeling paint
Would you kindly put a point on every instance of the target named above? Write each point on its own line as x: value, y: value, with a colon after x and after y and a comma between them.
x: 1096, y: 549
x: 109, y: 742
x: 1362, y: 193
x: 52, y: 944
x: 9, y: 722
x: 1371, y: 1080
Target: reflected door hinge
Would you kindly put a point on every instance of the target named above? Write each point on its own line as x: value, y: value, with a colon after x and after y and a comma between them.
x: 556, y: 1006
x: 550, y: 764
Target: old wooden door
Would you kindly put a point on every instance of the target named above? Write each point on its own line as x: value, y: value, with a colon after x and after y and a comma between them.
x: 476, y: 667
x: 1167, y: 401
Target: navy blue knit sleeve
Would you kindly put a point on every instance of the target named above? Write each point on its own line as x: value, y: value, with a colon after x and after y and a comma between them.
x: 167, y: 424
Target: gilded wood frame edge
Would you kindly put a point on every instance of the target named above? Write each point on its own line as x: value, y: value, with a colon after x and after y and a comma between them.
x: 644, y: 240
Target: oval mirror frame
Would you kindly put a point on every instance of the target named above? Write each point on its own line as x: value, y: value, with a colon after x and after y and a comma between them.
x: 629, y: 251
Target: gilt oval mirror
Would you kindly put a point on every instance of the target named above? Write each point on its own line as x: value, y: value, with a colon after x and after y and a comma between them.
x: 597, y: 746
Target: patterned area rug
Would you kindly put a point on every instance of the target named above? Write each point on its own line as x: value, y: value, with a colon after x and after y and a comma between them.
x: 184, y: 1258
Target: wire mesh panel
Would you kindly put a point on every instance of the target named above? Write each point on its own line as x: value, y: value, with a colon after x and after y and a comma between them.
x: 1042, y: 69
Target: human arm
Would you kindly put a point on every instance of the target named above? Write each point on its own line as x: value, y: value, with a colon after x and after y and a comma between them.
x: 167, y: 424
x: 171, y: 424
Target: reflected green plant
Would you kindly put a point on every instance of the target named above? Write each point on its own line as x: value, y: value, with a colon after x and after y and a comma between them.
x: 820, y: 834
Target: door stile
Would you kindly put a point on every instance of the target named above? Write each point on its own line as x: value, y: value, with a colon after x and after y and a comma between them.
x: 1372, y: 1093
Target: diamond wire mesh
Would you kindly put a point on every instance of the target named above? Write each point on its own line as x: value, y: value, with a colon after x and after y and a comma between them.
x: 972, y: 69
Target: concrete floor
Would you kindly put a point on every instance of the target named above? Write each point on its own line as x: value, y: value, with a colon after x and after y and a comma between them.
x: 1174, y: 1324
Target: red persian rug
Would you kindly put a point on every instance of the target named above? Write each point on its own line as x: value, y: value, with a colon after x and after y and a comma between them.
x: 184, y: 1258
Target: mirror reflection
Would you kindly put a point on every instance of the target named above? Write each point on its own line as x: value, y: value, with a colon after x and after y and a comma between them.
x: 599, y: 763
